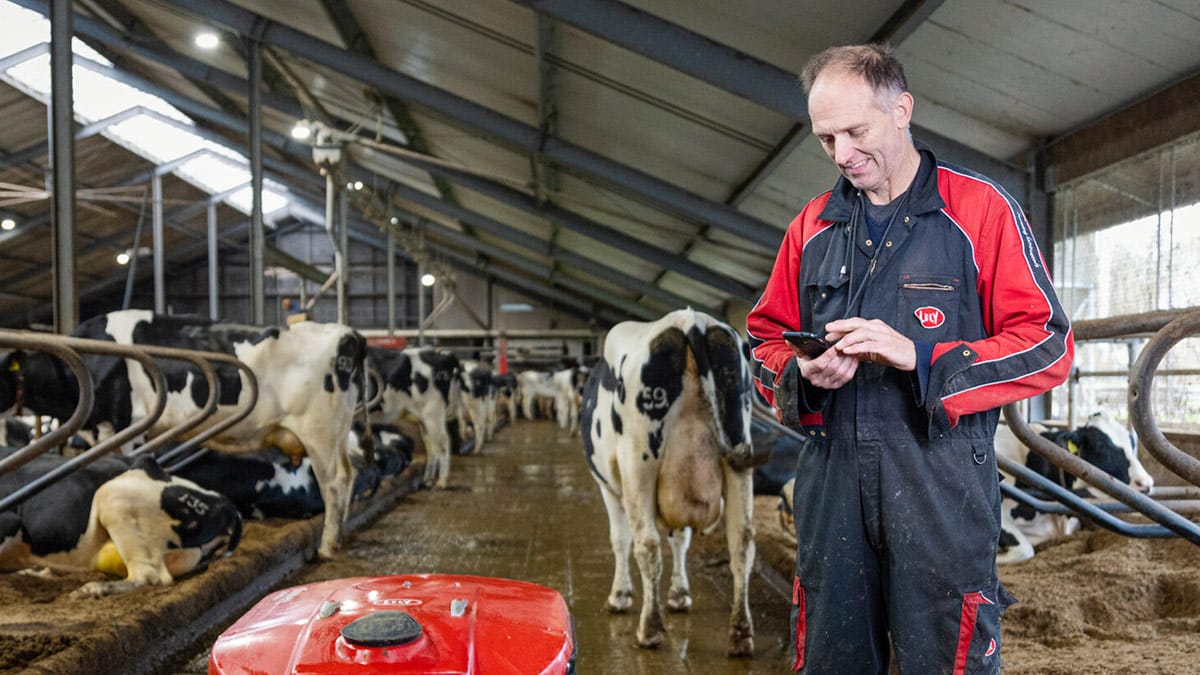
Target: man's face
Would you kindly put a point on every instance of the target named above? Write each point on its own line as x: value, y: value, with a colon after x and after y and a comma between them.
x: 868, y: 144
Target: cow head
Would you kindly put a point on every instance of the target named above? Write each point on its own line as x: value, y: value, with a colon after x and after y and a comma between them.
x: 1093, y: 446
x: 1125, y: 439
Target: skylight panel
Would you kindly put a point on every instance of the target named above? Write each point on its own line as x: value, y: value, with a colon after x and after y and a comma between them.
x: 271, y: 201
x: 98, y: 97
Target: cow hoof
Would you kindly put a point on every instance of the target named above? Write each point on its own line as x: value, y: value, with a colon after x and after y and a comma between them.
x: 679, y: 600
x: 620, y: 602
x: 741, y: 640
x: 327, y: 554
x: 743, y: 647
x: 651, y: 641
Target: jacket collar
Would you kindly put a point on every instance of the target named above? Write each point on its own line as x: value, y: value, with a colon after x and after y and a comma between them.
x: 923, y: 199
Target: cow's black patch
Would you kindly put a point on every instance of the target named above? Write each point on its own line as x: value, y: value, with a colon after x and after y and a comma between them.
x: 150, y: 465
x: 655, y: 439
x: 53, y: 520
x: 587, y: 411
x: 1095, y: 447
x: 662, y: 374
x: 730, y: 378
x: 348, y: 366
x: 328, y: 384
x: 618, y: 425
x: 1007, y: 540
x: 599, y: 428
x: 202, y: 516
x: 620, y: 382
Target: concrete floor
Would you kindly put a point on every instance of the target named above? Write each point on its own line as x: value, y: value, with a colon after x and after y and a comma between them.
x: 526, y: 508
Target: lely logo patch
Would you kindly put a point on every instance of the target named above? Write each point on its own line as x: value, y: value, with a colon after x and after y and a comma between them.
x: 930, y: 317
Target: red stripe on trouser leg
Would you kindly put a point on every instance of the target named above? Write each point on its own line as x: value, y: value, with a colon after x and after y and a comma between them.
x: 798, y: 601
x: 966, y: 628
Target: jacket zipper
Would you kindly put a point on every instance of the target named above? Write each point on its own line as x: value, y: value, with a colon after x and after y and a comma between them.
x: 927, y: 286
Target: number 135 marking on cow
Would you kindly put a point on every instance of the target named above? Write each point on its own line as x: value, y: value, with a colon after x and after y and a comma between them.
x: 655, y: 398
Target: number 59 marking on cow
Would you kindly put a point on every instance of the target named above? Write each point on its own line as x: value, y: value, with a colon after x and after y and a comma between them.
x: 654, y: 398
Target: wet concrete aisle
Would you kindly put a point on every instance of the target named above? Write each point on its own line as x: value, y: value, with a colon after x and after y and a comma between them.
x: 527, y: 508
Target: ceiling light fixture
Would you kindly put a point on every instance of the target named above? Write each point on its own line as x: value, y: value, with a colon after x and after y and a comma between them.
x: 8, y: 224
x: 427, y: 279
x: 301, y: 131
x: 122, y: 258
x: 207, y: 40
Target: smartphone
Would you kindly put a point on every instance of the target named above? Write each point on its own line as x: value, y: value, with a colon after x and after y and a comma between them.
x: 809, y: 344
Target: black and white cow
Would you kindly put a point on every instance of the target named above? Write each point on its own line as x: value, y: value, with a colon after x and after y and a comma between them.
x: 308, y: 380
x: 507, y: 394
x: 537, y: 393
x: 268, y: 484
x: 477, y: 401
x: 1102, y: 441
x: 133, y: 521
x: 420, y: 384
x: 666, y: 434
x: 568, y: 395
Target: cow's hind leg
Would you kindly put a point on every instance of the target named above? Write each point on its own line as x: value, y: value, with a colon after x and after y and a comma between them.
x: 739, y: 534
x: 620, y: 598
x: 640, y: 501
x: 679, y: 598
x: 127, y: 512
x: 437, y: 446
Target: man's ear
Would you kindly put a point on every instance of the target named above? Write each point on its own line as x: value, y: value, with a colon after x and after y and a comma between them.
x: 903, y: 110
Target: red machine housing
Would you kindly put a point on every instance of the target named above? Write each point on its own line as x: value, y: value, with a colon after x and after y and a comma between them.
x: 454, y: 624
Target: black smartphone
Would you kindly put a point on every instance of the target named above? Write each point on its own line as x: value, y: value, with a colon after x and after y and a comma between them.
x: 809, y: 344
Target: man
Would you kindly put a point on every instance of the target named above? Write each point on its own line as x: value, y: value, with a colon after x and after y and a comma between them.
x: 929, y: 281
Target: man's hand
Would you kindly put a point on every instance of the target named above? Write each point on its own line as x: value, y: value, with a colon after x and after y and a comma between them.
x: 830, y: 370
x: 873, y: 341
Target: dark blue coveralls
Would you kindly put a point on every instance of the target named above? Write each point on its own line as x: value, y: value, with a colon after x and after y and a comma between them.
x: 897, y: 510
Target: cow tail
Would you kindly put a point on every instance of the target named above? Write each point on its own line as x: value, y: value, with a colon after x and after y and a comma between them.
x: 367, y: 441
x: 722, y: 370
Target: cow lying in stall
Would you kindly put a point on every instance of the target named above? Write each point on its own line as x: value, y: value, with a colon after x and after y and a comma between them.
x: 268, y: 484
x: 1102, y: 441
x: 132, y: 521
x: 666, y: 419
x: 308, y: 376
x: 421, y: 384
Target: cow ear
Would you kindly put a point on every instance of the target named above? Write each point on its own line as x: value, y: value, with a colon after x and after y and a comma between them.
x: 149, y: 464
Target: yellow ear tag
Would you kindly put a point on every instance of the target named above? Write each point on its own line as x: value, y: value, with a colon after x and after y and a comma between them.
x: 109, y: 561
x: 1073, y: 447
x: 14, y: 366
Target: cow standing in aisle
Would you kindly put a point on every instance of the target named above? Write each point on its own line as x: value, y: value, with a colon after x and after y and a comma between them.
x: 666, y: 434
x: 568, y: 396
x: 309, y: 378
x: 537, y: 393
x: 1102, y: 441
x: 133, y: 521
x: 422, y: 384
x: 477, y: 401
x: 507, y: 394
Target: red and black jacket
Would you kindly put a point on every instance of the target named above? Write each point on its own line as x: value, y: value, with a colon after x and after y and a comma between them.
x: 959, y: 272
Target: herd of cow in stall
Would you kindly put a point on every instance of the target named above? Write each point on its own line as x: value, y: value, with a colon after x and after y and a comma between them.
x: 302, y: 449
x: 665, y: 417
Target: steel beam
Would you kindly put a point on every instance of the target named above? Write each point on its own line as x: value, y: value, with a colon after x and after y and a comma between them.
x: 395, y: 83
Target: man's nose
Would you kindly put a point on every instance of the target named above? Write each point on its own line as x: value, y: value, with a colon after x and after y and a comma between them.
x: 842, y: 151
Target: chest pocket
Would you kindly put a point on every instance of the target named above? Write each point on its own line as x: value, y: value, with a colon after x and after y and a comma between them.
x: 827, y: 298
x: 928, y: 307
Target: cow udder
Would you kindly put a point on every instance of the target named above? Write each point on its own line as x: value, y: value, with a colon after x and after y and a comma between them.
x: 690, y: 479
